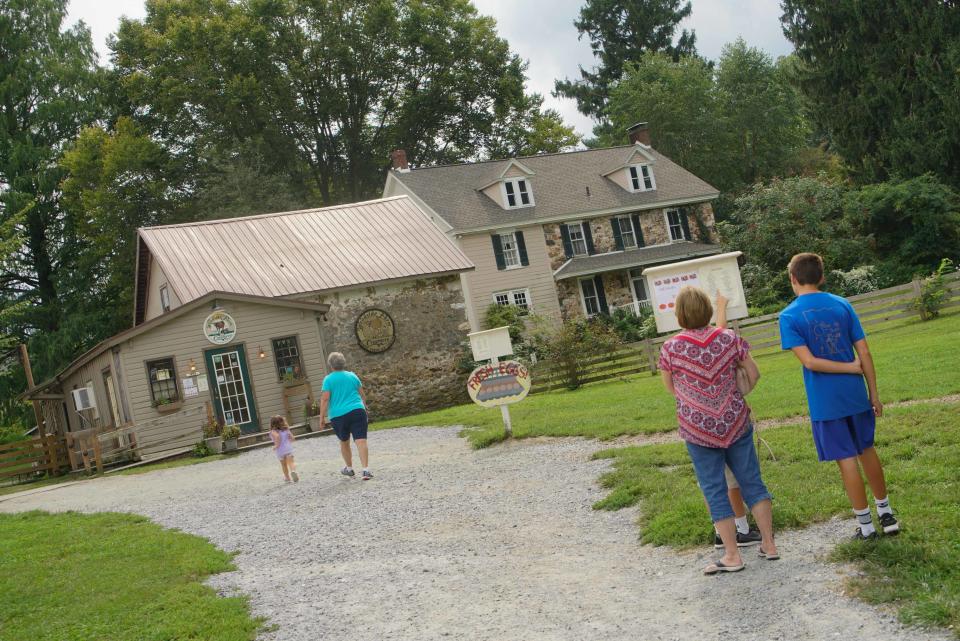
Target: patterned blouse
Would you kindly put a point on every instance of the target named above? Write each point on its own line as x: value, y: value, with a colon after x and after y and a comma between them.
x: 702, y: 362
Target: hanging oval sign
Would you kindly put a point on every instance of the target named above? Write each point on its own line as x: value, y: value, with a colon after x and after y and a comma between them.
x: 375, y: 331
x: 219, y: 328
x: 499, y: 384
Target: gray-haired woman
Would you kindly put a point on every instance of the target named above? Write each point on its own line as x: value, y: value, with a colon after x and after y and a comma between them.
x: 342, y: 399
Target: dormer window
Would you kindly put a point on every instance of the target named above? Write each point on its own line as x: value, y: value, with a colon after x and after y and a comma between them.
x: 517, y: 193
x: 641, y: 178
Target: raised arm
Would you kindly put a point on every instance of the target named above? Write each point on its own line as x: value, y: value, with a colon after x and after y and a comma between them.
x: 825, y: 365
x: 869, y: 373
x: 722, y: 302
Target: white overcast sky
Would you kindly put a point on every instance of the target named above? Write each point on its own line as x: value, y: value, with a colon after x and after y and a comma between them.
x: 542, y: 32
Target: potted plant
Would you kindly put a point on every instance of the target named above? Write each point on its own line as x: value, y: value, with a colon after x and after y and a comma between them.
x: 293, y: 378
x: 230, y: 435
x: 213, y: 435
x: 312, y: 414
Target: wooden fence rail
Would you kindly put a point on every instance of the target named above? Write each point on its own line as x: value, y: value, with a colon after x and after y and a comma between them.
x: 44, y: 454
x: 762, y: 332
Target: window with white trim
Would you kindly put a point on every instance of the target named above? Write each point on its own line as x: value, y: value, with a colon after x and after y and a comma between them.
x: 641, y: 178
x: 627, y: 233
x: 164, y: 298
x: 675, y: 224
x: 518, y: 297
x: 638, y: 284
x: 591, y: 301
x: 578, y: 240
x: 517, y: 192
x: 511, y: 253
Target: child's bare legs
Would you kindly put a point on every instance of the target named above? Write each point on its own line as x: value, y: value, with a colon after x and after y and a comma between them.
x: 362, y: 450
x: 763, y: 515
x: 283, y: 466
x: 853, y: 482
x: 874, y: 472
x: 736, y: 502
x: 346, y: 453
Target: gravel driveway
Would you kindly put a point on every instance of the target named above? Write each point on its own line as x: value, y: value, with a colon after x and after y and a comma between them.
x: 446, y: 542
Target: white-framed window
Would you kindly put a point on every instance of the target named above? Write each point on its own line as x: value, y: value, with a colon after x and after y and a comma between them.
x: 641, y: 178
x: 638, y: 285
x: 517, y: 193
x: 164, y: 298
x: 627, y: 233
x: 511, y: 253
x: 578, y: 240
x: 588, y: 292
x: 518, y: 297
x: 675, y: 224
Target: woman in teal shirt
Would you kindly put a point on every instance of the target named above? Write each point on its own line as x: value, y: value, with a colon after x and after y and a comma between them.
x: 342, y: 400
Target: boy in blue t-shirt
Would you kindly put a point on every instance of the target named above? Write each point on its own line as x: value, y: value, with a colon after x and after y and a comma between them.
x: 824, y: 333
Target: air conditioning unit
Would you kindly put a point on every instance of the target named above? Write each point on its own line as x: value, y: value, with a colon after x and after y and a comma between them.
x: 83, y: 399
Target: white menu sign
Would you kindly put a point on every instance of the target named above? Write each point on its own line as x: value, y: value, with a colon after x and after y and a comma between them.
x: 711, y: 274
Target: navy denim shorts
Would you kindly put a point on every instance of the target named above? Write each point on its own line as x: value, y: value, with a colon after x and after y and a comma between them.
x: 741, y: 458
x: 352, y: 423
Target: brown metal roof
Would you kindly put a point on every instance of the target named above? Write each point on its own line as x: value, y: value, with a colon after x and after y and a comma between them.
x: 298, y: 252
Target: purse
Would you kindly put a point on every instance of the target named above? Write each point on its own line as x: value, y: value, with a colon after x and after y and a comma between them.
x: 744, y: 386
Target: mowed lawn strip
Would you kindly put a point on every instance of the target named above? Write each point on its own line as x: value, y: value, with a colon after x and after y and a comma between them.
x: 918, y: 571
x: 76, y: 577
x: 914, y: 360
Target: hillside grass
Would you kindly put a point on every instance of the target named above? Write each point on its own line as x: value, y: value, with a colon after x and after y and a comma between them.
x: 917, y: 571
x: 76, y: 577
x: 914, y: 360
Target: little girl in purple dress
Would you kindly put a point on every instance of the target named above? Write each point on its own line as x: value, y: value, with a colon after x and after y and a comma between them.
x: 283, y: 439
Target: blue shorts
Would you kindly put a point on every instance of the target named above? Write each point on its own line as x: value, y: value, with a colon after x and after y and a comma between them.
x: 352, y: 423
x: 741, y: 458
x: 844, y: 437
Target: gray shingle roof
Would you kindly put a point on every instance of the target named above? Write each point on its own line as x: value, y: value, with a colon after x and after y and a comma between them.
x: 598, y: 263
x: 560, y: 186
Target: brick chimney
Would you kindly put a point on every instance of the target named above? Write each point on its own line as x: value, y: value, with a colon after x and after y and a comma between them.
x: 399, y: 158
x: 640, y: 132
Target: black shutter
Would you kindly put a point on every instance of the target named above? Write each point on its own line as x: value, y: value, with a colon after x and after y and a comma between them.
x: 638, y: 230
x: 617, y: 236
x: 601, y: 296
x: 685, y: 224
x: 498, y: 251
x: 567, y: 246
x: 521, y: 248
x: 588, y: 236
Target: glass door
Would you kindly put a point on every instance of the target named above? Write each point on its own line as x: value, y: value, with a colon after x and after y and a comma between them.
x: 230, y: 384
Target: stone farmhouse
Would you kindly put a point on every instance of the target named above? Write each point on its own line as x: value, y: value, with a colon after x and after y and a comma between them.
x: 565, y: 235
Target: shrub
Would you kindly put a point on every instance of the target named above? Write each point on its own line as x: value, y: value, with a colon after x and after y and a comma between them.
x: 569, y: 345
x: 933, y: 291
x: 507, y: 315
x: 200, y: 450
x: 11, y: 434
x: 629, y: 327
x: 230, y: 431
x: 858, y: 280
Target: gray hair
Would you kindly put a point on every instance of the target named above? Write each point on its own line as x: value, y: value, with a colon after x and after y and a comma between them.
x: 336, y: 361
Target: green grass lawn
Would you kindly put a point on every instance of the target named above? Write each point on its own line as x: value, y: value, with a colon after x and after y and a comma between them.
x: 76, y: 577
x: 914, y: 360
x: 918, y: 571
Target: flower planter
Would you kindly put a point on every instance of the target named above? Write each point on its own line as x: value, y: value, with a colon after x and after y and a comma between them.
x: 230, y: 445
x: 315, y: 424
x: 214, y: 443
x: 295, y: 382
x: 169, y: 408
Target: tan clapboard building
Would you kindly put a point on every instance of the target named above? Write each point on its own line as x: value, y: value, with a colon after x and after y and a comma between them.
x: 234, y: 319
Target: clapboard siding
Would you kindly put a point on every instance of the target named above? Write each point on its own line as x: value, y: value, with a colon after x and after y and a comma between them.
x: 157, y: 280
x: 182, y: 338
x: 487, y: 279
x: 92, y: 372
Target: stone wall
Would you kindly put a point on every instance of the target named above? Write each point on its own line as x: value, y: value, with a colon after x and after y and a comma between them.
x: 419, y: 372
x: 551, y: 235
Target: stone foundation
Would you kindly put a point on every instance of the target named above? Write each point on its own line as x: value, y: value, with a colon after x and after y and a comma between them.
x: 419, y: 372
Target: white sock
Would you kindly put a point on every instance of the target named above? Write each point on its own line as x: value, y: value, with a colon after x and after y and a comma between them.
x: 743, y: 527
x: 865, y: 521
x: 348, y: 468
x: 883, y: 506
x: 366, y: 469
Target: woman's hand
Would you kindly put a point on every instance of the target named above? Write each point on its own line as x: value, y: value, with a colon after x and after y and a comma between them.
x: 722, y: 301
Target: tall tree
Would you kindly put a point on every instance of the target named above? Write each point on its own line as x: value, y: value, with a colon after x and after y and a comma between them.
x: 620, y: 32
x: 882, y: 77
x: 329, y: 87
x: 528, y: 129
x: 48, y: 82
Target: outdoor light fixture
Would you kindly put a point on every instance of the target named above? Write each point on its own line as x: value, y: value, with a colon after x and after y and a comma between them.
x: 263, y: 354
x: 193, y: 366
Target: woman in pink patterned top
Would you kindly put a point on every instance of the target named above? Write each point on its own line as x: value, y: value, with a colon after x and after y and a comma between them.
x: 699, y: 368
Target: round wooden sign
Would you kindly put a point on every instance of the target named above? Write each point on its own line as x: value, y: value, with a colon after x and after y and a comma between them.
x: 219, y: 328
x: 375, y: 331
x: 499, y: 384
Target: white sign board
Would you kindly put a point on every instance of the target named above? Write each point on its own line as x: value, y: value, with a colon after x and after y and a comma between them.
x: 710, y: 274
x: 491, y: 343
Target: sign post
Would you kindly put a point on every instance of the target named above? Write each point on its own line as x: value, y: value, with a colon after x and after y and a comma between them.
x: 499, y: 383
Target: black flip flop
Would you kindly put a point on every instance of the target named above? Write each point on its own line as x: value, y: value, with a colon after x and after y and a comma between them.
x: 719, y: 566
